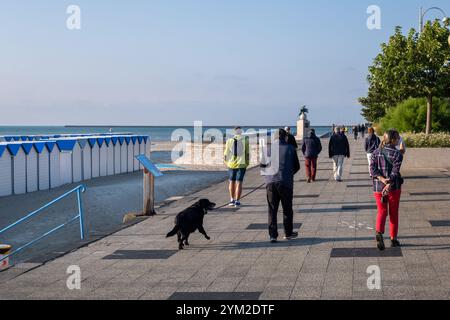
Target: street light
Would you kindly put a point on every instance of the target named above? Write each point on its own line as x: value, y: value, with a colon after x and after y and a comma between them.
x: 422, y: 16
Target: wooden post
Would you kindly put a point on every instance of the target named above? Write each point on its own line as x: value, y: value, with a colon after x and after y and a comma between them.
x: 149, y: 194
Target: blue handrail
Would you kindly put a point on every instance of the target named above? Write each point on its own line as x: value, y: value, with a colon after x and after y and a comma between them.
x: 79, y: 216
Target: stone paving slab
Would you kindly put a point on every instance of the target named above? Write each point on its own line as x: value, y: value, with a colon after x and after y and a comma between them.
x: 333, y: 216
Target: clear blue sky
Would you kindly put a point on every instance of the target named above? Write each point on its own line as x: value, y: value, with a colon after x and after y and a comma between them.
x: 252, y: 62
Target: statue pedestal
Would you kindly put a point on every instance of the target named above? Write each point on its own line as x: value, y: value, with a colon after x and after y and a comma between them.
x: 303, y: 126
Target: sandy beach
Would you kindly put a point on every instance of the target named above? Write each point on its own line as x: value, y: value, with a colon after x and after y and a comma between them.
x: 106, y: 201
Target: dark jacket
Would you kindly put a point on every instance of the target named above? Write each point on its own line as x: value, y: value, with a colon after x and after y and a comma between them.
x: 311, y: 146
x: 292, y: 141
x: 372, y: 143
x: 288, y: 166
x: 338, y: 146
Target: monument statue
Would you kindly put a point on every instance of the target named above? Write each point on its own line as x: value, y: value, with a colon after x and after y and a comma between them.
x: 302, y: 123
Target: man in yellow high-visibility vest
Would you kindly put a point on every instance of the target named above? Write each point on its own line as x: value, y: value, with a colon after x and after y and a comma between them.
x: 237, y: 159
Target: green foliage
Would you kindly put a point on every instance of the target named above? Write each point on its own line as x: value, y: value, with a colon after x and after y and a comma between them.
x: 410, y: 116
x: 422, y: 140
x: 416, y: 65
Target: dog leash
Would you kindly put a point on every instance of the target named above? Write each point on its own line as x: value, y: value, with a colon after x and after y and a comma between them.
x: 245, y: 195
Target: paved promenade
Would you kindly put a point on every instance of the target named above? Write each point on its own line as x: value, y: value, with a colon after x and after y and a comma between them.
x: 329, y: 260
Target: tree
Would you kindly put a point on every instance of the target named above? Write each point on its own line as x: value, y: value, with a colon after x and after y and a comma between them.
x: 416, y: 65
x: 432, y: 62
x: 410, y: 116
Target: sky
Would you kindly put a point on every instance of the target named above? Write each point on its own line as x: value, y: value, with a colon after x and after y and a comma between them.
x: 171, y: 62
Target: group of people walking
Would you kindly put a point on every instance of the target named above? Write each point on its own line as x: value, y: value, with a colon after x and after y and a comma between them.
x: 384, y: 157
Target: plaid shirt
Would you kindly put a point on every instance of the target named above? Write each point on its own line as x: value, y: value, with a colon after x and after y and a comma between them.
x: 386, y: 163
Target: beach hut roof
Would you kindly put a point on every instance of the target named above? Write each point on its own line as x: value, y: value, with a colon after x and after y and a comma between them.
x: 100, y: 141
x: 92, y: 142
x: 27, y: 146
x: 50, y: 145
x: 66, y: 144
x: 39, y: 146
x: 13, y: 148
x: 82, y: 142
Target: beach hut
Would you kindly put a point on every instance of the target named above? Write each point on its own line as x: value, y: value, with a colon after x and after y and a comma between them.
x: 141, y: 148
x: 43, y: 154
x: 134, y: 140
x: 123, y: 155
x: 109, y: 156
x: 147, y: 146
x: 87, y: 160
x: 19, y: 177
x: 116, y: 144
x: 5, y: 171
x: 55, y: 180
x: 103, y: 156
x: 77, y: 159
x: 31, y: 165
x: 95, y: 158
x: 130, y: 153
x: 66, y: 147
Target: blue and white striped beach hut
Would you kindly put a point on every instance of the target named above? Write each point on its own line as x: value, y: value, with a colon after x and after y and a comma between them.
x: 5, y: 171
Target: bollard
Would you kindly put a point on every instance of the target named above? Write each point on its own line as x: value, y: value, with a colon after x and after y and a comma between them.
x: 5, y: 250
x: 149, y: 193
x: 150, y: 173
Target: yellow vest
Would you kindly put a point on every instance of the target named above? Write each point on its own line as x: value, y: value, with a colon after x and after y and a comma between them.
x: 237, y: 152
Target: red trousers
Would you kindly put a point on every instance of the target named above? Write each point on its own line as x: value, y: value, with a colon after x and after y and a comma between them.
x: 311, y: 168
x: 390, y: 207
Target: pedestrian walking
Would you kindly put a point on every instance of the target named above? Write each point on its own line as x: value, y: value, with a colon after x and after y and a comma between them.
x: 237, y: 159
x: 338, y: 149
x: 371, y: 144
x: 280, y: 184
x: 387, y: 184
x: 355, y: 132
x: 291, y: 139
x: 311, y: 148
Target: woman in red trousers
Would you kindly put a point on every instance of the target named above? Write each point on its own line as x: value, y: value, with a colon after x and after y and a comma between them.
x: 387, y: 183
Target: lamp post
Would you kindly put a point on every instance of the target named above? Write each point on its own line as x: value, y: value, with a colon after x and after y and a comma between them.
x: 423, y: 13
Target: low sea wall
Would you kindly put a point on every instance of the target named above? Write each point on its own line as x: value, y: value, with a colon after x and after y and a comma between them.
x: 426, y: 158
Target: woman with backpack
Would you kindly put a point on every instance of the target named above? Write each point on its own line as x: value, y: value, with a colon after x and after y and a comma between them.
x: 385, y: 167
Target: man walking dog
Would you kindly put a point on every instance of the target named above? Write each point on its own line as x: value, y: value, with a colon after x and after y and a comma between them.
x: 279, y: 175
x: 237, y: 159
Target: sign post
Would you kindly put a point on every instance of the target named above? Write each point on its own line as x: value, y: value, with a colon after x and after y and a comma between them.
x: 150, y: 173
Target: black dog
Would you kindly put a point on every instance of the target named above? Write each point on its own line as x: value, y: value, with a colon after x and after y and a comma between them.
x: 189, y: 220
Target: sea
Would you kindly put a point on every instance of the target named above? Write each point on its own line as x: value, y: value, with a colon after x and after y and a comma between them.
x: 156, y: 133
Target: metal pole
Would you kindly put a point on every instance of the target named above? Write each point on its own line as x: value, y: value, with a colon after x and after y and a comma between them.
x: 421, y: 20
x: 80, y: 213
